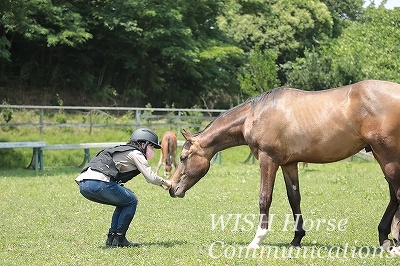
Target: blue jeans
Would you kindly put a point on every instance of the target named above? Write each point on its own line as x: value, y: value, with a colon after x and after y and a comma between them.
x: 112, y: 193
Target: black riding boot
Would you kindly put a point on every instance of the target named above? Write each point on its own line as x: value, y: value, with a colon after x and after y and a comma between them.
x: 110, y: 238
x: 121, y: 241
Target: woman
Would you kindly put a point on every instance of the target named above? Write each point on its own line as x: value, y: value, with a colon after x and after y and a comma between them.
x: 101, y: 180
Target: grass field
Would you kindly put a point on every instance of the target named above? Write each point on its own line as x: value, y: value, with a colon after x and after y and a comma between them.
x: 45, y: 221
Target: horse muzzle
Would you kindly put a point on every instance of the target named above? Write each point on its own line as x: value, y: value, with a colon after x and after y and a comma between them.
x: 176, y: 192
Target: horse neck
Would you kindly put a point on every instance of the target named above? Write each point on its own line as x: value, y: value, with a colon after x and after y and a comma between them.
x: 225, y: 131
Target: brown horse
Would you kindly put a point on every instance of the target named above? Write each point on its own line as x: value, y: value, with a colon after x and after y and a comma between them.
x: 286, y: 126
x: 169, y: 145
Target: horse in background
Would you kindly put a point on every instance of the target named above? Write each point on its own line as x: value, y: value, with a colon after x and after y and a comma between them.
x: 169, y: 144
x: 304, y: 165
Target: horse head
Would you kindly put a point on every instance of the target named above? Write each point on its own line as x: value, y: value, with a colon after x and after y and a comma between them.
x: 193, y: 165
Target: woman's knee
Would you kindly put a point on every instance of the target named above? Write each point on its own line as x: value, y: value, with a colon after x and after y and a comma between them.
x: 133, y: 200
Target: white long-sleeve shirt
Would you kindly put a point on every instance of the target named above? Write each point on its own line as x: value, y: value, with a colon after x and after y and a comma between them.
x: 125, y: 162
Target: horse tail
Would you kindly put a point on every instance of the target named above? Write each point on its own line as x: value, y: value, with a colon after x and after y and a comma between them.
x: 169, y: 145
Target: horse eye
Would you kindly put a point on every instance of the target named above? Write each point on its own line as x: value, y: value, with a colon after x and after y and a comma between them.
x: 183, y: 158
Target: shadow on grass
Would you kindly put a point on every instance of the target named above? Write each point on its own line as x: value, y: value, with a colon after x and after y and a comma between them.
x: 306, y: 170
x: 165, y: 244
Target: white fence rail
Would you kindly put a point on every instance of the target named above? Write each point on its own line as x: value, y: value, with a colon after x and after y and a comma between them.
x: 134, y: 116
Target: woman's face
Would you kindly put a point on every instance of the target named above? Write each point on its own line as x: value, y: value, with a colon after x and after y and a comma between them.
x: 149, y: 151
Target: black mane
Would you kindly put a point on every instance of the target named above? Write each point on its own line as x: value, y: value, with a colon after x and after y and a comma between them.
x: 253, y: 100
x: 256, y: 99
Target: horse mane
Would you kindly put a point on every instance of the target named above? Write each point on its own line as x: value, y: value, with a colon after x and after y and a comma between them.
x: 256, y: 99
x: 253, y: 100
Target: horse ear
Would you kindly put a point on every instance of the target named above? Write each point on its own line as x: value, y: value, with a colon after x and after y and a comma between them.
x: 187, y: 135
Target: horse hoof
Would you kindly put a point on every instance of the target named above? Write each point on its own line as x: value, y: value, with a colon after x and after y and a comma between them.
x: 387, y: 245
x: 395, y: 252
x: 252, y: 246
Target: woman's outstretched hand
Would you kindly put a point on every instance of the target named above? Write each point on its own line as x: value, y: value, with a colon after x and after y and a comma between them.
x: 167, y: 184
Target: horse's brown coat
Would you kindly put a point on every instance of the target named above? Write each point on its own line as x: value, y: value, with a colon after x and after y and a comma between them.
x: 169, y: 144
x: 286, y: 126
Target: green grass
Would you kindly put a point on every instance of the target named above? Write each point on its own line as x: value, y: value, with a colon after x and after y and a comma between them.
x: 45, y: 220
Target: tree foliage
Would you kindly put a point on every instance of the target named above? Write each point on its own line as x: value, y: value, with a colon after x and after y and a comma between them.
x: 260, y: 74
x: 287, y: 26
x: 141, y: 51
x: 367, y: 49
x: 210, y: 53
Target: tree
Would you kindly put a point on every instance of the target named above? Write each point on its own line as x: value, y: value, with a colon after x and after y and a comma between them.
x: 367, y: 49
x: 309, y: 73
x: 345, y: 9
x: 287, y: 26
x: 371, y: 44
x: 130, y: 50
x: 342, y: 12
x: 187, y: 53
x: 43, y: 20
x: 260, y: 74
x: 43, y: 25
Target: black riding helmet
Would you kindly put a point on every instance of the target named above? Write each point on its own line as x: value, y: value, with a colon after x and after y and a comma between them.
x: 145, y: 135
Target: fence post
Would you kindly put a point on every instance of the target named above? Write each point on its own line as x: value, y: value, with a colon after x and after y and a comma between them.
x: 179, y: 121
x: 41, y: 121
x: 137, y: 118
x: 91, y: 122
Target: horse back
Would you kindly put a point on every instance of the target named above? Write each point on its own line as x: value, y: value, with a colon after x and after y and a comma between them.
x: 323, y: 126
x: 169, y: 143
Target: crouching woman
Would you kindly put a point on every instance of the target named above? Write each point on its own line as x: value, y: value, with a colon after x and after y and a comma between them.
x: 101, y: 181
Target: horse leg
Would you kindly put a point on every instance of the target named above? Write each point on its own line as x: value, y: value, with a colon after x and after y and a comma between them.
x: 268, y: 174
x: 390, y: 218
x: 391, y: 170
x: 395, y: 229
x: 291, y: 176
x: 386, y: 221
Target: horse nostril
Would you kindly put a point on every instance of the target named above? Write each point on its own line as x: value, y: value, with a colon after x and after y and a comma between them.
x: 171, y: 193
